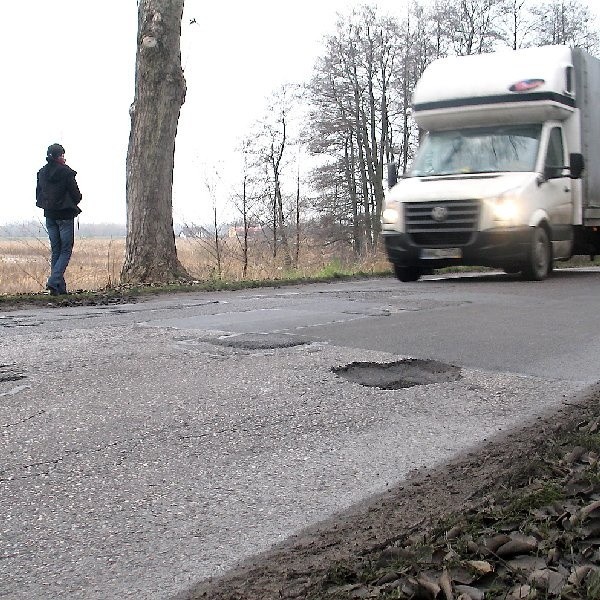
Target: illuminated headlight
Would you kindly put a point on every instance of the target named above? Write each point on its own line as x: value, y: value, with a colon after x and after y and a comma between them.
x: 390, y: 216
x: 505, y: 209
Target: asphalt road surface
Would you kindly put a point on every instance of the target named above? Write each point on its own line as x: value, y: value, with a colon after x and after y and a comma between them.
x: 151, y: 445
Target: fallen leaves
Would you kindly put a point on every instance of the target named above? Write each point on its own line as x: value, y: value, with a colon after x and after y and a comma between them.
x: 514, y: 550
x: 482, y: 567
x: 518, y: 544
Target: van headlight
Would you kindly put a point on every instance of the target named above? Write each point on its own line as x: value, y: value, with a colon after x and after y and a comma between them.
x: 390, y: 216
x: 505, y: 208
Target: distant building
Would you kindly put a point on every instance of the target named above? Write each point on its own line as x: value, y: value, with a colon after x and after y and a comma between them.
x: 238, y: 232
x: 195, y: 231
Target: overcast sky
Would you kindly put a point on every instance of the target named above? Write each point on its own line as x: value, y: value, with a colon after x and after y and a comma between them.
x: 68, y: 77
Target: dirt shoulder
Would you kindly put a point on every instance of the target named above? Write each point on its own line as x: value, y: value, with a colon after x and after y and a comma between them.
x: 125, y: 294
x: 519, y: 516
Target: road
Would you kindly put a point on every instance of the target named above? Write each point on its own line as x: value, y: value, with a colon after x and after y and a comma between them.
x: 147, y: 446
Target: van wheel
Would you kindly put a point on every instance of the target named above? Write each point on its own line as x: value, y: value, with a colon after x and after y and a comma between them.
x: 539, y: 261
x: 406, y: 274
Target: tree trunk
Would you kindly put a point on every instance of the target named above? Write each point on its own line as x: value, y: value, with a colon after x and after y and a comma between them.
x: 287, y: 258
x: 275, y: 157
x: 246, y: 225
x: 297, y: 258
x: 151, y: 255
x: 349, y: 172
x: 217, y: 243
x: 360, y: 142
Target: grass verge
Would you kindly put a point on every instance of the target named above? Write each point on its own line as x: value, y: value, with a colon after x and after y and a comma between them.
x: 126, y: 293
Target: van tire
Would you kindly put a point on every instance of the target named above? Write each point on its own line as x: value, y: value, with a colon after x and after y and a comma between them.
x: 539, y: 256
x: 406, y: 274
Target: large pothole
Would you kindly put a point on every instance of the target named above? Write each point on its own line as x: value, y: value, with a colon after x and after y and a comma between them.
x: 400, y: 374
x: 259, y: 341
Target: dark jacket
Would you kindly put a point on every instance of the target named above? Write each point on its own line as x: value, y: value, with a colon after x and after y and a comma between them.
x: 57, y: 191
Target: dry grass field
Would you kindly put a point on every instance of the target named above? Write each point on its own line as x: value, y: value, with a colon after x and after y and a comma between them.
x: 96, y: 263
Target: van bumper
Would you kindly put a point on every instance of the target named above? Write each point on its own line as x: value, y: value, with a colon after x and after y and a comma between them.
x: 492, y: 248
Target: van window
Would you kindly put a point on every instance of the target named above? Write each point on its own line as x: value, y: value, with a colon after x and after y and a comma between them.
x: 569, y: 80
x: 497, y: 149
x: 555, y: 156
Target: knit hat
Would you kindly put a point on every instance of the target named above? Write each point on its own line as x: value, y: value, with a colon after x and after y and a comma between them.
x: 54, y: 151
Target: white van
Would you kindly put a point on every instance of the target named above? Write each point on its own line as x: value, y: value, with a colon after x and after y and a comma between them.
x: 508, y: 172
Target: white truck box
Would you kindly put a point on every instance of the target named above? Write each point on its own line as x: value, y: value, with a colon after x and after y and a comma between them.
x: 587, y: 89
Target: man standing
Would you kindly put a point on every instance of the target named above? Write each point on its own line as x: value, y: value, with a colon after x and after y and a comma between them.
x: 58, y: 194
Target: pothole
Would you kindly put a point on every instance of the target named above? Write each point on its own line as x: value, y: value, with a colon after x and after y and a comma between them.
x: 259, y: 341
x: 10, y: 372
x: 18, y: 322
x: 400, y: 374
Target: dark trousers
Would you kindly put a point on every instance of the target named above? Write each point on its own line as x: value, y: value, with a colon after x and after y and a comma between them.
x: 62, y: 237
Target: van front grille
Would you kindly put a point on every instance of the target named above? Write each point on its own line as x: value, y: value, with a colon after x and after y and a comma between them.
x: 441, y: 223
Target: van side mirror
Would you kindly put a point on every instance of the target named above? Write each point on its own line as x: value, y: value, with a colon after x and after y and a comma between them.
x: 392, y: 175
x: 576, y: 165
x: 552, y: 172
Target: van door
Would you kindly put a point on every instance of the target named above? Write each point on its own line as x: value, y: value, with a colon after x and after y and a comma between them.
x: 557, y: 193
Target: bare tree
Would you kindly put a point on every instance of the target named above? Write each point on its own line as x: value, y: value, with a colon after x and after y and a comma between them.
x: 216, y: 250
x: 245, y: 202
x: 518, y: 23
x: 332, y: 137
x: 356, y: 93
x: 245, y: 212
x: 276, y: 145
x: 297, y: 219
x: 474, y: 25
x: 151, y: 254
x: 567, y: 22
x: 274, y: 140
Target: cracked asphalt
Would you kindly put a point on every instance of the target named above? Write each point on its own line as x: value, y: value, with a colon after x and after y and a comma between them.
x: 148, y: 446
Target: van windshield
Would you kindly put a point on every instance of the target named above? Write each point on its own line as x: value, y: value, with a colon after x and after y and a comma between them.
x: 478, y: 150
